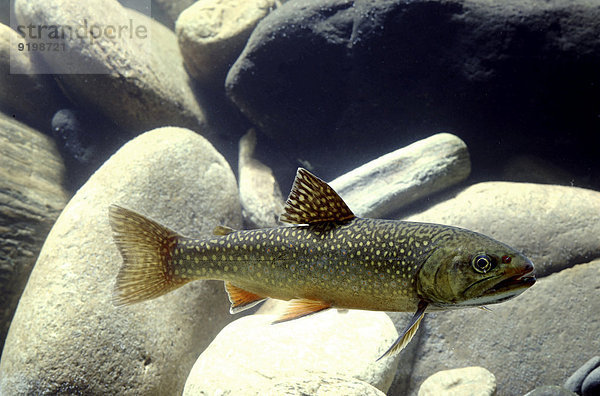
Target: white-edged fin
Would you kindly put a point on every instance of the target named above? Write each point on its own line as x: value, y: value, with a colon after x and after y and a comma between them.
x: 241, y: 299
x: 313, y: 201
x: 484, y: 308
x: 408, y: 333
x: 301, y: 307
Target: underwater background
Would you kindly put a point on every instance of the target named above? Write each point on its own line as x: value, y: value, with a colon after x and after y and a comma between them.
x: 473, y: 113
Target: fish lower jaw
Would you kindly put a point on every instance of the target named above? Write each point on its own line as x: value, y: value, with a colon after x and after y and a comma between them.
x: 492, y: 298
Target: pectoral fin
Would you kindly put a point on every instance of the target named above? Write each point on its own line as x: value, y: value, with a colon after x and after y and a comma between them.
x: 301, y: 307
x: 408, y: 333
x: 241, y: 299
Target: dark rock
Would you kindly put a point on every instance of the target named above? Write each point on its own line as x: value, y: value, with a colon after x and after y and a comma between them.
x: 70, y: 135
x: 85, y: 140
x: 591, y: 384
x: 341, y: 74
x: 576, y: 379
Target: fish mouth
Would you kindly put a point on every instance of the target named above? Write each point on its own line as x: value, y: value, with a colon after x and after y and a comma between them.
x: 512, y: 283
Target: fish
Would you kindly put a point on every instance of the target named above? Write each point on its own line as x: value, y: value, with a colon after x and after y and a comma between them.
x: 325, y: 257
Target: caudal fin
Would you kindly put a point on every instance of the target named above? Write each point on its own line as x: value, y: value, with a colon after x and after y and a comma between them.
x: 147, y: 251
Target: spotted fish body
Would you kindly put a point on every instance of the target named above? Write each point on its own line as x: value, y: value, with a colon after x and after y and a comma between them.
x: 328, y: 258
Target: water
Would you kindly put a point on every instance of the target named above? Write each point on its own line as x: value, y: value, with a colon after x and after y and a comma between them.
x: 328, y: 86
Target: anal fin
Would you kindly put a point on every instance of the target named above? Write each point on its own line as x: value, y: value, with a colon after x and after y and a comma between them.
x: 301, y: 307
x: 241, y: 299
x: 408, y: 333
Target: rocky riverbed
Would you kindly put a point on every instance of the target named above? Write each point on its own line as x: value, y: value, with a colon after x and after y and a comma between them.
x: 461, y: 112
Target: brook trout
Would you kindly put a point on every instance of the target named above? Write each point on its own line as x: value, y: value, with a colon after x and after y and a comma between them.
x: 328, y: 258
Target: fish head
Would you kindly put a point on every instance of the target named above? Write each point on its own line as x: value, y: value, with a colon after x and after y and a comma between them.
x: 470, y: 270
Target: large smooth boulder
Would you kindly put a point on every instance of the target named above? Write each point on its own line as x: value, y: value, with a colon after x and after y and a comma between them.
x: 32, y: 195
x: 66, y: 335
x: 135, y: 79
x: 326, y: 77
x: 327, y: 344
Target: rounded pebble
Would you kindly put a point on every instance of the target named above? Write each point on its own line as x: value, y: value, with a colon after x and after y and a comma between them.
x: 591, y: 384
x: 575, y: 381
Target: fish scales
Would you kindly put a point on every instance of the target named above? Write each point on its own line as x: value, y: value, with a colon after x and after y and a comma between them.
x: 363, y: 263
x: 326, y: 258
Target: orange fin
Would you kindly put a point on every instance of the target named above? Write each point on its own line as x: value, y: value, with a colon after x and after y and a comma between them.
x: 241, y: 299
x: 408, y: 333
x: 313, y: 201
x: 222, y: 230
x: 301, y: 307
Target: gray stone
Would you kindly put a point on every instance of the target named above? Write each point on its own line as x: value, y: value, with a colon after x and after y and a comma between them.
x: 555, y: 226
x: 138, y: 83
x: 591, y: 384
x: 28, y: 96
x: 382, y: 186
x: 550, y: 390
x: 252, y: 354
x: 526, y: 342
x: 474, y: 381
x: 261, y: 198
x: 574, y: 382
x: 31, y: 198
x: 349, y: 73
x: 321, y: 385
x: 212, y: 34
x: 66, y: 335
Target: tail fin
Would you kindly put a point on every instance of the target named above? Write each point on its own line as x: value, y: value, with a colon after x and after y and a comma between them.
x: 147, y: 249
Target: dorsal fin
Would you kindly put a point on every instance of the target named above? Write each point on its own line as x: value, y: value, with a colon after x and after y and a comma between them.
x: 313, y: 201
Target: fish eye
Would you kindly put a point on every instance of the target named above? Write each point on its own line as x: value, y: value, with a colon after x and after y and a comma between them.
x: 482, y: 263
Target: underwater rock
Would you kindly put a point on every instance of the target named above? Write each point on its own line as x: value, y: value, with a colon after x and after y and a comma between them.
x: 574, y: 382
x: 85, y: 141
x: 321, y: 385
x: 591, y: 384
x: 28, y: 96
x: 461, y: 381
x: 139, y: 83
x: 382, y: 186
x: 31, y: 198
x: 386, y: 71
x: 67, y: 334
x: 526, y: 342
x: 261, y: 198
x: 550, y: 390
x: 251, y: 354
x: 212, y: 34
x: 555, y: 226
